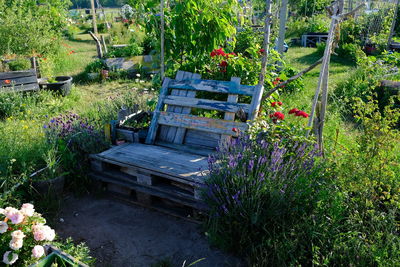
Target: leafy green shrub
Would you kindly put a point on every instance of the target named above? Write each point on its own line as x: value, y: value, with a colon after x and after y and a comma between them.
x: 132, y: 49
x: 95, y: 66
x: 247, y: 39
x: 361, y: 83
x: 27, y: 28
x: 71, y: 30
x: 351, y: 51
x: 299, y: 26
x: 19, y: 64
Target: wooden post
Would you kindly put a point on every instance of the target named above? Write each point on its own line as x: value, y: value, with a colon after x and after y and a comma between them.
x: 98, y: 45
x: 162, y: 41
x: 324, y: 77
x: 393, y: 25
x: 282, y: 26
x: 103, y: 41
x: 256, y: 101
x: 94, y: 18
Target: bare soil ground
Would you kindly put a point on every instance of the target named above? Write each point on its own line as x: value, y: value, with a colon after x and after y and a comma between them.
x: 120, y: 234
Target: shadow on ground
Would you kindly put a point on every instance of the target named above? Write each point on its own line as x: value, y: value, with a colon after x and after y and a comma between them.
x: 125, y: 235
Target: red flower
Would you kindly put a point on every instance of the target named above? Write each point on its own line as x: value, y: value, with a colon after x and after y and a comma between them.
x: 280, y: 103
x: 7, y: 81
x: 273, y: 104
x: 277, y: 79
x: 261, y: 51
x: 235, y: 130
x: 275, y: 82
x: 302, y: 114
x: 293, y: 111
x: 223, y: 64
x: 218, y: 52
x: 277, y: 115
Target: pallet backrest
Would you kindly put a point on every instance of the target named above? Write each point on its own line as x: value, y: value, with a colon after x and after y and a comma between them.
x: 19, y: 81
x: 173, y: 124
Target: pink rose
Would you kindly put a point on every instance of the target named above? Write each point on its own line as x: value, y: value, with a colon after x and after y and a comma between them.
x: 14, y: 215
x: 37, y: 251
x: 43, y: 232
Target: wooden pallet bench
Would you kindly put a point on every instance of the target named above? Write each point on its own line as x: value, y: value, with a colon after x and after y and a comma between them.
x: 312, y: 39
x: 172, y: 165
x: 19, y: 81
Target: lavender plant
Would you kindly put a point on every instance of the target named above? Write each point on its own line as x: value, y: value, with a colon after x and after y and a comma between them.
x: 257, y: 188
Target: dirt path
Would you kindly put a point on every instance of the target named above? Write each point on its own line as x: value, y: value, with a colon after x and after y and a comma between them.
x: 125, y: 235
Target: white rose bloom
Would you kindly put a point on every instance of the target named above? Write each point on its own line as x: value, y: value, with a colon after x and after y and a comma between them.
x: 10, y: 261
x: 28, y: 209
x: 18, y: 234
x: 2, y: 211
x: 16, y: 244
x: 37, y: 251
x: 3, y: 227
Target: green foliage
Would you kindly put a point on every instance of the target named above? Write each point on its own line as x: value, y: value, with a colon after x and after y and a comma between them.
x: 132, y: 49
x: 19, y: 64
x: 247, y: 39
x: 299, y: 26
x: 308, y: 8
x: 187, y: 33
x: 80, y: 252
x: 361, y: 83
x: 27, y: 28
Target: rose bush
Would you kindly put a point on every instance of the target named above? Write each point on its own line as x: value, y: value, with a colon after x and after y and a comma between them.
x: 22, y: 235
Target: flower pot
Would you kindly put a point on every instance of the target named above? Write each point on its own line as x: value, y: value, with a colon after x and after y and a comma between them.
x: 56, y: 257
x: 54, y: 187
x: 62, y: 86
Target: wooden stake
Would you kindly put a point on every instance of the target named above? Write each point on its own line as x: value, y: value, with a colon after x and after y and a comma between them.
x: 162, y: 70
x: 94, y: 17
x: 98, y: 45
x: 393, y: 25
x: 282, y: 26
x: 256, y: 101
x: 103, y: 41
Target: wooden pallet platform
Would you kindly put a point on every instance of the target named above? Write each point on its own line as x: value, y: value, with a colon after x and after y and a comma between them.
x: 159, y: 201
x: 163, y: 175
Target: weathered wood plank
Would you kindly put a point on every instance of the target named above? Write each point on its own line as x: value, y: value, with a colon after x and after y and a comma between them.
x: 177, y: 109
x: 213, y: 86
x: 17, y: 74
x: 18, y: 81
x: 185, y: 148
x: 20, y: 88
x: 201, y: 123
x: 202, y: 139
x: 223, y: 106
x: 180, y: 133
x: 256, y: 102
x: 164, y: 130
x: 184, y: 166
x: 154, y: 122
x: 231, y: 114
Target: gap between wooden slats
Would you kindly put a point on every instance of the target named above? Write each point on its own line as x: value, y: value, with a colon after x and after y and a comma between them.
x: 200, y: 123
x: 223, y: 106
x: 213, y: 86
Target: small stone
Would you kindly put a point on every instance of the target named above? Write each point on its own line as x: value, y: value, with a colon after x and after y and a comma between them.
x: 76, y: 214
x: 61, y: 220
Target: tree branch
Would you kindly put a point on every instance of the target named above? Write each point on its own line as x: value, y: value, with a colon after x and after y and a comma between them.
x: 298, y: 75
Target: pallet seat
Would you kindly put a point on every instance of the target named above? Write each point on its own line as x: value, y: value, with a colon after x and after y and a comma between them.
x: 192, y: 117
